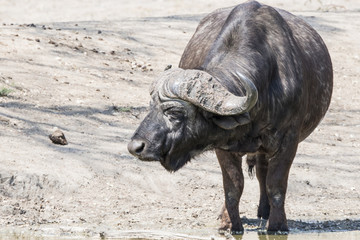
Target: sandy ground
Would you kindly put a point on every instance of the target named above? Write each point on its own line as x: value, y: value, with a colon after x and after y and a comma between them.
x: 85, y: 67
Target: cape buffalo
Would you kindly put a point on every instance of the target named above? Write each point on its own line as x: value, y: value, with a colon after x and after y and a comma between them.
x: 253, y: 80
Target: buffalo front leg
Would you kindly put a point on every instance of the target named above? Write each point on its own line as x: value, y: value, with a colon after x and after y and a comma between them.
x: 233, y: 181
x: 276, y: 182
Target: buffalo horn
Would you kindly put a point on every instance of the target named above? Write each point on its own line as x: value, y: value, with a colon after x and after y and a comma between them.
x: 202, y: 90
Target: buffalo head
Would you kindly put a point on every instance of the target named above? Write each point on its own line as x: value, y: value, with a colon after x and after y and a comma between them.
x: 190, y: 112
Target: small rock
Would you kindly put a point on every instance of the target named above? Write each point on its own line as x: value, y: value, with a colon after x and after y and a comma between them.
x: 102, y: 235
x: 195, y: 215
x: 4, y: 120
x: 168, y: 67
x: 58, y: 137
x: 53, y: 43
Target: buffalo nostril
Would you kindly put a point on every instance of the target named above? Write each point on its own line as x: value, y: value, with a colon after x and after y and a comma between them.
x: 135, y: 147
x: 140, y: 148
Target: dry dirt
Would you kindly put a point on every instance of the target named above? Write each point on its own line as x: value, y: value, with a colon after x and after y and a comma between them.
x: 86, y: 68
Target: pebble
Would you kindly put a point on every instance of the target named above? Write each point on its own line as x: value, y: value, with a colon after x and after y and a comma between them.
x: 58, y: 137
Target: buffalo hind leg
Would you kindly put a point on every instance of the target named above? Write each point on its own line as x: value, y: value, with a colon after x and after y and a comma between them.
x: 261, y: 173
x: 233, y: 181
x: 276, y: 182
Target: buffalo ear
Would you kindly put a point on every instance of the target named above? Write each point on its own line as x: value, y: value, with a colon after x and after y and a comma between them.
x: 231, y: 122
x: 243, y: 119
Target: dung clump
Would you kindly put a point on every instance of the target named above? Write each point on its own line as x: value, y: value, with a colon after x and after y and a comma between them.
x: 58, y: 137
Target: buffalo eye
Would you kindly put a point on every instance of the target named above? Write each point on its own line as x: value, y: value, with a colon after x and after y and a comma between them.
x: 174, y: 115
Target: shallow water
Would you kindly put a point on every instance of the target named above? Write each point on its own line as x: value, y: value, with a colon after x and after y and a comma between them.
x: 351, y: 235
x: 151, y: 235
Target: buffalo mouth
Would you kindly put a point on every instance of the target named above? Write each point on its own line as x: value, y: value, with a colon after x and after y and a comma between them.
x: 172, y: 163
x: 169, y: 158
x: 149, y: 158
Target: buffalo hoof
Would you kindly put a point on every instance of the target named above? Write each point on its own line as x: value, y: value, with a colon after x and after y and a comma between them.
x: 238, y: 231
x: 277, y: 228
